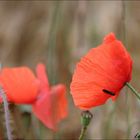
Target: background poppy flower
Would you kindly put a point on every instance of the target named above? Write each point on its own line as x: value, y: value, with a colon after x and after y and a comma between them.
x: 51, y: 106
x: 22, y: 87
x: 101, y: 73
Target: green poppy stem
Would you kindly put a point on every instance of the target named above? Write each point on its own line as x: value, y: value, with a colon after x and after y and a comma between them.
x: 86, y: 117
x: 133, y: 90
x: 83, y: 131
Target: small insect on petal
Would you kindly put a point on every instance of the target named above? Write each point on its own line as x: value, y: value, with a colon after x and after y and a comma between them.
x: 108, y: 92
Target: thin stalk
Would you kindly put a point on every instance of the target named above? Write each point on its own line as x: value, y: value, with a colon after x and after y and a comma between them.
x: 83, y: 131
x: 6, y: 114
x: 124, y: 22
x: 124, y: 38
x: 133, y: 90
x: 52, y: 40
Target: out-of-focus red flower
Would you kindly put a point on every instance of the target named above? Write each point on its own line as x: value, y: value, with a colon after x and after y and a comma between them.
x: 51, y: 105
x: 101, y: 74
x: 22, y: 87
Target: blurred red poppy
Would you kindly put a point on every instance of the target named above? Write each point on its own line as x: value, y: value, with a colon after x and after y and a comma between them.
x: 22, y: 87
x: 51, y: 106
x: 101, y: 74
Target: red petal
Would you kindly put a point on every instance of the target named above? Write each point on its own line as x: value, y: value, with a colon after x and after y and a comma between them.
x: 51, y: 107
x: 59, y: 103
x: 20, y: 84
x: 42, y: 76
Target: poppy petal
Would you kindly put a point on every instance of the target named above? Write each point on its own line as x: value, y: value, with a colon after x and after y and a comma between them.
x: 59, y: 103
x: 20, y: 84
x: 50, y: 108
x: 42, y: 76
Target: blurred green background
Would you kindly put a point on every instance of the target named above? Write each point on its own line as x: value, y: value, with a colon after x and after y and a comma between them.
x: 59, y: 33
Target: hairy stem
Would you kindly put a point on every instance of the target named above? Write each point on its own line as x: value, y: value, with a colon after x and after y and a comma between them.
x: 6, y: 113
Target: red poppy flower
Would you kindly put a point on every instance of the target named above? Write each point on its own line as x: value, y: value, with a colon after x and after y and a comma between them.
x: 22, y: 87
x: 51, y: 106
x: 101, y: 73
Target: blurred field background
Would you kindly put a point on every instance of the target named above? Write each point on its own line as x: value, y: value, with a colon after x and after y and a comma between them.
x: 58, y: 33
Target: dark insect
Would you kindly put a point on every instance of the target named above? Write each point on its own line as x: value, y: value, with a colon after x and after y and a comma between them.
x: 108, y: 92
